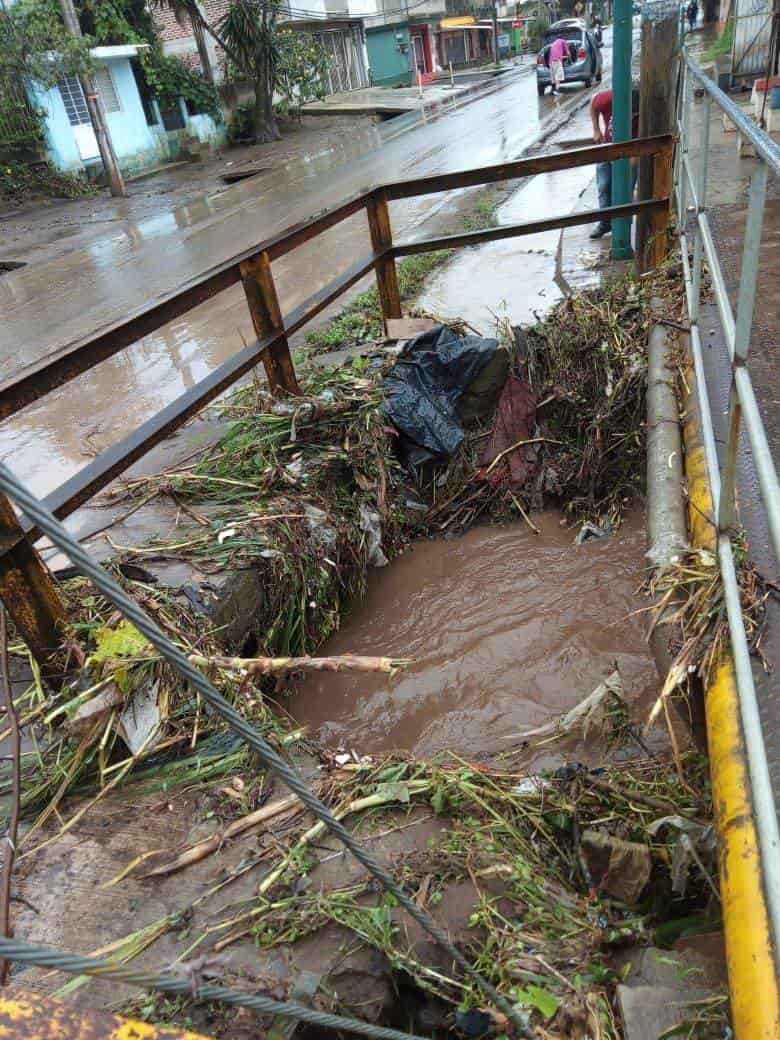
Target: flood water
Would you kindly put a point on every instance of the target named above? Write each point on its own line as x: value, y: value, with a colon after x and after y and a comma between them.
x: 505, y: 629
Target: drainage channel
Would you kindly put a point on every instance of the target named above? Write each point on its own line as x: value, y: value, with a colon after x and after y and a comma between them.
x: 504, y: 629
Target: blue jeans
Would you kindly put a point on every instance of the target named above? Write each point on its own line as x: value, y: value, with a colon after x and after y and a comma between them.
x: 604, y: 184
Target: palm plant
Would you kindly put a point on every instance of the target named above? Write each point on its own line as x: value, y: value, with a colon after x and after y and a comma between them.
x: 189, y: 11
x: 249, y: 30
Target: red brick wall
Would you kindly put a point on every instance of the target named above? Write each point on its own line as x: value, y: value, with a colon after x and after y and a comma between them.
x: 170, y: 29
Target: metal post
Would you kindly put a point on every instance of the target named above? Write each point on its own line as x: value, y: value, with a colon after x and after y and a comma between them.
x: 621, y: 124
x: 495, y: 33
x: 266, y: 314
x: 701, y: 198
x: 742, y: 327
x: 750, y: 258
x: 27, y: 590
x: 684, y: 124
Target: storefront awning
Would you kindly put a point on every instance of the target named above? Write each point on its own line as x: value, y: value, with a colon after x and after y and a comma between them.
x: 461, y: 22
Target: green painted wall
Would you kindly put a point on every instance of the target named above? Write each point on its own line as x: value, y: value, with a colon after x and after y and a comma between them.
x: 389, y: 66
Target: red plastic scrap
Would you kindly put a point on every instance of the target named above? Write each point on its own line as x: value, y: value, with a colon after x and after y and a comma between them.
x: 515, y: 421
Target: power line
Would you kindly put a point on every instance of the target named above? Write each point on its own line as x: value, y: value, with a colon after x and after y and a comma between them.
x: 26, y: 953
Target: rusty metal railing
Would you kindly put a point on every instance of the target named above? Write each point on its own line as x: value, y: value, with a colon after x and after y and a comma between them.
x: 25, y: 586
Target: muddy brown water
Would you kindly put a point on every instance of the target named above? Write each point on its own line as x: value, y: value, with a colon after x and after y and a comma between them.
x: 505, y: 629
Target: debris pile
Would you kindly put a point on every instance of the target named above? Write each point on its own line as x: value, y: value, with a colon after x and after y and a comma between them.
x: 301, y: 496
x: 542, y: 878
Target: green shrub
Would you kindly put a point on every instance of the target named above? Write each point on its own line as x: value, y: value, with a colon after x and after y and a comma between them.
x: 20, y: 180
x: 723, y: 45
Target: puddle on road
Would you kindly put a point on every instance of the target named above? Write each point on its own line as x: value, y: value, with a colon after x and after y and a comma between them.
x: 505, y: 629
x: 518, y: 277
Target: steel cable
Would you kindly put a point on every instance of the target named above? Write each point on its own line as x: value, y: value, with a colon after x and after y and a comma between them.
x: 42, y: 956
x: 49, y: 525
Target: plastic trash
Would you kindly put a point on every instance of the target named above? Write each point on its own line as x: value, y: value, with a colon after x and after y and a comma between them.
x: 426, y: 384
x: 371, y: 525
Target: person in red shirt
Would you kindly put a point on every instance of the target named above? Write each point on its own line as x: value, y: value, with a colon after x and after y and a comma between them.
x: 601, y: 118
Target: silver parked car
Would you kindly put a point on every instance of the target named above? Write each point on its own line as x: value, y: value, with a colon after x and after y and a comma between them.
x: 585, y: 62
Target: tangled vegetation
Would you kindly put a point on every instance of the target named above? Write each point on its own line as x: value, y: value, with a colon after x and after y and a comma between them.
x: 299, y: 496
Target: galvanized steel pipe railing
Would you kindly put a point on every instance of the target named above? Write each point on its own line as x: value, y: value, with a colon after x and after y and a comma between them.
x: 691, y: 184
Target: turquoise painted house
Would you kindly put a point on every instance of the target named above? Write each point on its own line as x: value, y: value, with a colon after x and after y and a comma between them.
x: 388, y: 55
x: 143, y: 135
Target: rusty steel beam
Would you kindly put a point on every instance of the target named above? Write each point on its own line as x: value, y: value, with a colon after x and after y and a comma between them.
x: 311, y: 307
x: 472, y: 238
x: 41, y: 377
x: 508, y: 171
x: 33, y: 1016
x: 85, y: 484
x: 38, y: 379
x: 27, y: 589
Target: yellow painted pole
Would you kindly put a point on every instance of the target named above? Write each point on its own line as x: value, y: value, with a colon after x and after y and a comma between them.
x: 33, y: 1016
x: 753, y: 971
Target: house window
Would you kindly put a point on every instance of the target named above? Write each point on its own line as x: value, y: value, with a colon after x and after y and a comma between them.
x: 106, y: 89
x: 73, y: 99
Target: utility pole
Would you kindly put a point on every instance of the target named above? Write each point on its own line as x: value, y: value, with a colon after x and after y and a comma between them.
x: 621, y: 124
x: 660, y: 40
x: 95, y: 108
x: 495, y: 32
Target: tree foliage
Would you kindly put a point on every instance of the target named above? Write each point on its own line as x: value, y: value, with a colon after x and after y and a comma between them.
x: 33, y: 46
x: 274, y: 59
x: 131, y: 21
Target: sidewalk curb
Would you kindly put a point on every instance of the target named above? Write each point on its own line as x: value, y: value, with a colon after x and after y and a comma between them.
x: 752, y: 966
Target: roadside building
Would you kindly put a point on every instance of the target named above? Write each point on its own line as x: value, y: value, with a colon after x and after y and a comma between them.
x: 144, y: 135
x: 464, y: 40
x: 752, y: 37
x: 344, y: 42
x: 336, y: 24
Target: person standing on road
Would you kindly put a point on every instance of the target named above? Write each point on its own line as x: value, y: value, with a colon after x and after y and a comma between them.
x: 559, y: 49
x: 693, y: 14
x: 601, y: 118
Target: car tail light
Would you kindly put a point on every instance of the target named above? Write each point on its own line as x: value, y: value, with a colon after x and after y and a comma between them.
x: 540, y: 60
x: 581, y: 53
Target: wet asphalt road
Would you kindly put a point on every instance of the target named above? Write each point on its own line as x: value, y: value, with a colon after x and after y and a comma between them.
x: 93, y: 283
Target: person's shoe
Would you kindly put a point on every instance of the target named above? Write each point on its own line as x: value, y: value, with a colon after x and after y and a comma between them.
x: 600, y: 230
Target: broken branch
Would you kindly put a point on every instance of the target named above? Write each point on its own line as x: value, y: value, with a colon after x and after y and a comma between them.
x: 282, y: 665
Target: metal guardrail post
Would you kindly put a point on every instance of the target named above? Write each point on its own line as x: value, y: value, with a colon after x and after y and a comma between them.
x: 742, y: 327
x: 382, y: 242
x: 701, y: 204
x: 27, y: 590
x: 267, y: 319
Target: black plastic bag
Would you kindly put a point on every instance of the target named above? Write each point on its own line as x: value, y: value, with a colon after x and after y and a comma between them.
x: 424, y: 388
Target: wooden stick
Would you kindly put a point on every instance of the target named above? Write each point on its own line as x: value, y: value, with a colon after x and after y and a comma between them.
x: 195, y: 853
x: 519, y: 444
x: 13, y: 819
x: 281, y: 665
